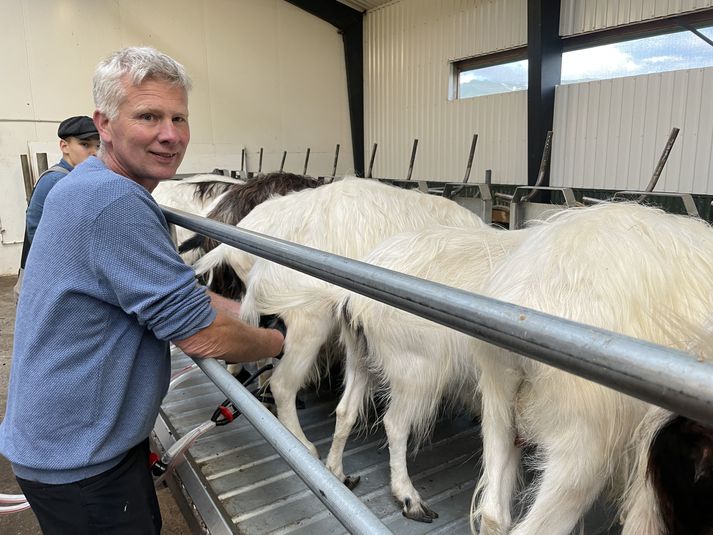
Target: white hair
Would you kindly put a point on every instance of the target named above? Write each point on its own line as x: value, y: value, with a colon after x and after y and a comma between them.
x: 133, y: 65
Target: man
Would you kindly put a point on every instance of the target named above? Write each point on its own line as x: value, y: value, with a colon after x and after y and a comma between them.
x: 78, y: 140
x: 104, y: 292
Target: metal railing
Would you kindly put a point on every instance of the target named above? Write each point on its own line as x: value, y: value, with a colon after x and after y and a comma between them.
x: 665, y: 377
x: 669, y: 378
x: 351, y: 512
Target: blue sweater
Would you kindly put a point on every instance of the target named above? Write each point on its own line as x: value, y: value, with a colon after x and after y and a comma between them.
x: 104, y: 290
x: 37, y: 201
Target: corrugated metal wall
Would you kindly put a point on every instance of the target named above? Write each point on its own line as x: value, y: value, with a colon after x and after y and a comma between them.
x: 408, y: 49
x: 610, y: 134
x: 581, y: 16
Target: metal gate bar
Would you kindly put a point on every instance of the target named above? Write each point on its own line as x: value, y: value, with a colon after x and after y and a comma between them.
x: 669, y: 378
x: 351, y: 512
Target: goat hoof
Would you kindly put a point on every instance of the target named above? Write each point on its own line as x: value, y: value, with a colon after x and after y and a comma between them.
x: 352, y: 481
x: 419, y: 511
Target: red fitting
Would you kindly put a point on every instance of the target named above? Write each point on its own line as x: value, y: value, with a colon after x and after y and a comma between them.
x: 153, y: 459
x: 226, y: 412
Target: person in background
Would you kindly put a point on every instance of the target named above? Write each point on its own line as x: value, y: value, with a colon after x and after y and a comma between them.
x: 78, y: 140
x: 104, y: 293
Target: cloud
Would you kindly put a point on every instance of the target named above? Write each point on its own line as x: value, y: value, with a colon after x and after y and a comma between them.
x: 662, y: 59
x: 681, y: 50
x: 593, y: 62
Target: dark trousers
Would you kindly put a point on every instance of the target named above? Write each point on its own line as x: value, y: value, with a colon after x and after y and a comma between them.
x: 120, y: 501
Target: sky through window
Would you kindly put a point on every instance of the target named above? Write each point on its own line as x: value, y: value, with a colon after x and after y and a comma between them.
x: 661, y: 53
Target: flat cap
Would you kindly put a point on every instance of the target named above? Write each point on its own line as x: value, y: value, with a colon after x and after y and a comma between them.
x: 81, y: 127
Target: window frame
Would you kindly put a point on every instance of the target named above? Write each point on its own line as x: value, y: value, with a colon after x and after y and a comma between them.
x: 620, y: 34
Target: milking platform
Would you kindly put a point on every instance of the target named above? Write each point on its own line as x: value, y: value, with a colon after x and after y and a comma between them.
x: 233, y: 481
x: 237, y: 483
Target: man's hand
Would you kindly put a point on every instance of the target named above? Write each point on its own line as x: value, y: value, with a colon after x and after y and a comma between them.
x: 231, y: 339
x: 273, y: 321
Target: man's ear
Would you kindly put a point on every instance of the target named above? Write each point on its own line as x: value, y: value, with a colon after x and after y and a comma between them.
x: 63, y: 146
x: 101, y: 121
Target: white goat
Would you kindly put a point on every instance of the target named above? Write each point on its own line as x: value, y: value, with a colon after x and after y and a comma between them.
x: 621, y: 267
x: 415, y: 362
x: 349, y: 218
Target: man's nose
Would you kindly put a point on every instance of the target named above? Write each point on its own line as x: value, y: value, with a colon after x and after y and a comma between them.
x: 168, y: 132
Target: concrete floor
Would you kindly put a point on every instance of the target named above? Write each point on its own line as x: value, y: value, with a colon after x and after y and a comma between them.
x: 24, y: 523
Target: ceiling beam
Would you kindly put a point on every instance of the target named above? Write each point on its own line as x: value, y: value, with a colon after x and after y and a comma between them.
x: 349, y: 22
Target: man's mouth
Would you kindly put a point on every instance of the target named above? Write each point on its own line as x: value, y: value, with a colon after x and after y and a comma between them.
x: 165, y: 155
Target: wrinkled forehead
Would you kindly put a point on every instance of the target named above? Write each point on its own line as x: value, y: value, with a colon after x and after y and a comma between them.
x: 155, y: 94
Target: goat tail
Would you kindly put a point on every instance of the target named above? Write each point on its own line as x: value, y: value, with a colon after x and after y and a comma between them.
x: 353, y: 339
x: 344, y: 320
x: 194, y: 243
x: 249, y: 312
x: 210, y: 261
x: 671, y: 488
x: 640, y: 508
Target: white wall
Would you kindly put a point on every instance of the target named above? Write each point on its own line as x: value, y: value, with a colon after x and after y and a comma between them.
x: 610, y: 134
x: 266, y: 74
x: 581, y: 16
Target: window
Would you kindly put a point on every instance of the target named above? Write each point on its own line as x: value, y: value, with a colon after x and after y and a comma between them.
x: 659, y: 53
x: 492, y: 80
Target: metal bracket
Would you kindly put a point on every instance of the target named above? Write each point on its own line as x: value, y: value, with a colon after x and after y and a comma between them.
x: 522, y: 210
x: 686, y: 198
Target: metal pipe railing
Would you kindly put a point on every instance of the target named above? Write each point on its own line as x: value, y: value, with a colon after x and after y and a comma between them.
x: 666, y: 377
x: 351, y: 512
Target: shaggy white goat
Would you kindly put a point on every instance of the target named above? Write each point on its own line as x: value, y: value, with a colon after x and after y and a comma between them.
x: 414, y: 363
x: 349, y: 218
x: 621, y: 267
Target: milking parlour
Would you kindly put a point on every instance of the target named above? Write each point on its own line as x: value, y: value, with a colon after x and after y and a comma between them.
x: 357, y: 266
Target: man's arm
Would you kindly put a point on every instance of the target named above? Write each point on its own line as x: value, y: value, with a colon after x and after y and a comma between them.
x: 37, y: 202
x: 230, y: 339
x: 222, y: 303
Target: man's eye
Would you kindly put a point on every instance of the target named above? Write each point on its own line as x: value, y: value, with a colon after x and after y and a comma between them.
x: 147, y: 116
x: 179, y: 119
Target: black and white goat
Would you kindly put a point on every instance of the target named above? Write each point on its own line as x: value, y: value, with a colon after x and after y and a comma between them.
x: 192, y: 194
x: 349, y: 218
x: 230, y: 208
x: 621, y: 267
x: 671, y: 488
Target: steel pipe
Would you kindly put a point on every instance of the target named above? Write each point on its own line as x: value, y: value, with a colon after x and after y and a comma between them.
x: 669, y: 378
x: 351, y: 512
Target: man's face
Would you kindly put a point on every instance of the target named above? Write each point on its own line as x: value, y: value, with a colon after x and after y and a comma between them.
x: 75, y: 150
x: 148, y: 139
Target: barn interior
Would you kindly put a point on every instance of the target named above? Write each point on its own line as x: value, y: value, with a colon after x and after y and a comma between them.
x: 513, y: 109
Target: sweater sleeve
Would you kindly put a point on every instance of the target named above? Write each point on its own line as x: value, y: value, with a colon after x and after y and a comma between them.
x: 37, y: 201
x: 137, y: 266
